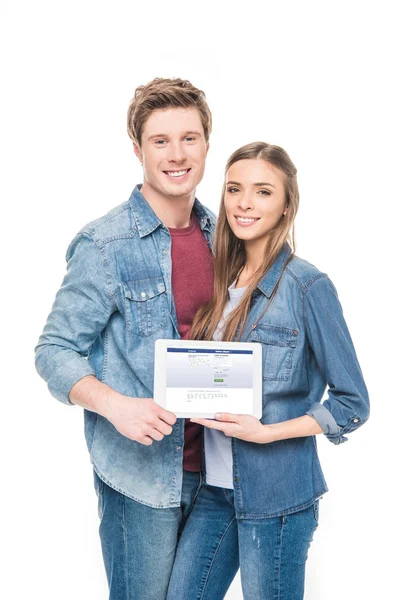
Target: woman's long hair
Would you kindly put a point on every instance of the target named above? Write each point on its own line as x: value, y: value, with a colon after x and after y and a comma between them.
x: 229, y: 251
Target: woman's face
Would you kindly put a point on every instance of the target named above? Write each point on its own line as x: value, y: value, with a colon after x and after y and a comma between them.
x: 254, y: 198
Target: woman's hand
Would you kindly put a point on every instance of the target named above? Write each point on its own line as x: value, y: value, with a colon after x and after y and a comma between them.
x: 248, y: 428
x: 243, y: 427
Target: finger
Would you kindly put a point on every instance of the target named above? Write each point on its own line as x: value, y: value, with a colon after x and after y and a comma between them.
x: 228, y: 417
x: 145, y: 440
x: 163, y: 427
x: 156, y: 435
x: 210, y: 424
x: 167, y: 416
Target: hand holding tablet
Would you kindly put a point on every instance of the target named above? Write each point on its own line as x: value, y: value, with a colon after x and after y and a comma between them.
x: 198, y: 379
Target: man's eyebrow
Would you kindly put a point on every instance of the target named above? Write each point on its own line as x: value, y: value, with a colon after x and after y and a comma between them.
x: 258, y: 184
x: 157, y: 135
x: 165, y: 135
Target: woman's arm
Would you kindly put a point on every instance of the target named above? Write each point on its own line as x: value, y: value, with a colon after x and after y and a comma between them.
x: 249, y: 428
x: 347, y: 404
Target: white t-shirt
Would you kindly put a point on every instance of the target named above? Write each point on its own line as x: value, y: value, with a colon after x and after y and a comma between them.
x: 218, y: 446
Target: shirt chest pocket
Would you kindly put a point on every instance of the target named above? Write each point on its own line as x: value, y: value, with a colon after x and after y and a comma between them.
x: 146, y: 305
x: 278, y: 345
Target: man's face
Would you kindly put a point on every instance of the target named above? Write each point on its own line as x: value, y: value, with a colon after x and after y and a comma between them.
x: 173, y: 151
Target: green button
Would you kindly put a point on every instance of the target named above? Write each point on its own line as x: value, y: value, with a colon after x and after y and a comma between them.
x: 218, y: 380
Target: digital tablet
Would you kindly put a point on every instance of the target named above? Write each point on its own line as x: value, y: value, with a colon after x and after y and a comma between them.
x: 197, y: 378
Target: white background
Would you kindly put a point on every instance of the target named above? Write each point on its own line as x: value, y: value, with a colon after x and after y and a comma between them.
x: 318, y: 78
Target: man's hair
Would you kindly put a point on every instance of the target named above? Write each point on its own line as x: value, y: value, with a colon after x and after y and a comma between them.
x: 161, y: 94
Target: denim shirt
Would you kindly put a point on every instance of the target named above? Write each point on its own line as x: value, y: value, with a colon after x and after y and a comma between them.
x: 116, y: 300
x: 306, y: 347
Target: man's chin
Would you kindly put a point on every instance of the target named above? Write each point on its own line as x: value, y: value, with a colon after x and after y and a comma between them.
x: 177, y: 191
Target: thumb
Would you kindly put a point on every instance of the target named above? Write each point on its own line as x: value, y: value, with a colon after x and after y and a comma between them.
x: 229, y: 417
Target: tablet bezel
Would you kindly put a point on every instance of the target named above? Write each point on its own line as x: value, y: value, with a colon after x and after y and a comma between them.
x: 160, y: 368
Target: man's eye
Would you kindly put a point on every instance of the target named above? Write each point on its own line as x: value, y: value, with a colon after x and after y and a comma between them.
x: 159, y: 142
x: 233, y: 190
x: 190, y: 138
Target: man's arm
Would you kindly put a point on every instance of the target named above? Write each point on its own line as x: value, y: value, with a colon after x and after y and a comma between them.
x: 82, y: 309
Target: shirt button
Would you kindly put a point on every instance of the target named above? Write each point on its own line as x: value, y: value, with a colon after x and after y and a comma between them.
x: 165, y: 252
x: 236, y: 479
x: 355, y: 420
x: 179, y: 447
x: 143, y: 294
x: 295, y: 332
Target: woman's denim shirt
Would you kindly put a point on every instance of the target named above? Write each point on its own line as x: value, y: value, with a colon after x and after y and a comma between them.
x: 116, y: 300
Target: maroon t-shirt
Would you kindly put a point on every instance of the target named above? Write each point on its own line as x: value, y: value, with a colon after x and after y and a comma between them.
x: 192, y: 286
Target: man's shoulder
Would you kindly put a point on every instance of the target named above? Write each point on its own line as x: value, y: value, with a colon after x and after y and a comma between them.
x: 115, y: 224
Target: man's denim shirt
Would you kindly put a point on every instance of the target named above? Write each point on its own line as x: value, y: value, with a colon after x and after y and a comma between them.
x: 116, y: 300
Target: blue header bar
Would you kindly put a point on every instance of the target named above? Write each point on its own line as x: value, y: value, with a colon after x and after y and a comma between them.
x: 208, y: 351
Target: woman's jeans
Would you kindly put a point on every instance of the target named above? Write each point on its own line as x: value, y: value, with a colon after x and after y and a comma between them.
x: 139, y: 542
x: 271, y: 553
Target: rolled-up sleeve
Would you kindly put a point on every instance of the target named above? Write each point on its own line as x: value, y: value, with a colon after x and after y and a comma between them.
x: 347, y: 406
x: 81, y: 310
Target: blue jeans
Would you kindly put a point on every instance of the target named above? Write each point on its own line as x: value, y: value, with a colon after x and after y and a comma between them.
x: 271, y: 553
x: 139, y: 542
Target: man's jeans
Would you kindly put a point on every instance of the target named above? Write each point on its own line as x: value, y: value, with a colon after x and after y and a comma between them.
x: 271, y: 552
x: 139, y: 542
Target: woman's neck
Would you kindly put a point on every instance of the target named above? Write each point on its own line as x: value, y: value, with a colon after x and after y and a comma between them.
x: 255, y: 252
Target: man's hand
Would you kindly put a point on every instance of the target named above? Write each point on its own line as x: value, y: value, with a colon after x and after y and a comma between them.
x: 140, y: 419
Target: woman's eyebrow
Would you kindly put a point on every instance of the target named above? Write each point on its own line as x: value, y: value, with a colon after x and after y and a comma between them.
x: 258, y: 184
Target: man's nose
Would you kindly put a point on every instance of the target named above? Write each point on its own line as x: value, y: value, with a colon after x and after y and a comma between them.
x: 176, y: 153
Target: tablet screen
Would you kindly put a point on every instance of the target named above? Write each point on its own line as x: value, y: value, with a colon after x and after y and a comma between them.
x: 213, y: 379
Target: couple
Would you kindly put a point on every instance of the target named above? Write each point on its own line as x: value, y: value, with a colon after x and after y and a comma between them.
x: 172, y: 524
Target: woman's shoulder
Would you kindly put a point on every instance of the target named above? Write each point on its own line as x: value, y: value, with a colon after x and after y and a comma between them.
x: 304, y: 273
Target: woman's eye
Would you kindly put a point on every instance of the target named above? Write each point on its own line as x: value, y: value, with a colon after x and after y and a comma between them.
x: 232, y: 190
x: 264, y: 192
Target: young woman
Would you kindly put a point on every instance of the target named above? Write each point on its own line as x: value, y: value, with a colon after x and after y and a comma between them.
x: 258, y: 506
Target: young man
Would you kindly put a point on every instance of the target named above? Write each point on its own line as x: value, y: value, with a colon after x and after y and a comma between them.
x: 138, y: 274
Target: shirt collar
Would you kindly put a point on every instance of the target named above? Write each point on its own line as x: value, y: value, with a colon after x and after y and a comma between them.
x: 147, y: 221
x: 271, y: 278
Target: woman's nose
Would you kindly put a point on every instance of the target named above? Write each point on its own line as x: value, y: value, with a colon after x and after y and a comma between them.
x: 245, y: 202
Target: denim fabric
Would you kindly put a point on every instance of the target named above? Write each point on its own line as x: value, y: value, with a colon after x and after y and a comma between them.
x: 271, y: 552
x: 139, y: 542
x: 116, y: 300
x: 306, y: 346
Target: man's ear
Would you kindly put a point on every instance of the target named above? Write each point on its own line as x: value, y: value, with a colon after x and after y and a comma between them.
x: 137, y: 152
